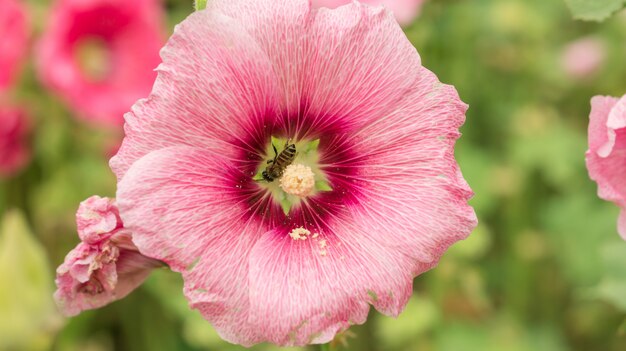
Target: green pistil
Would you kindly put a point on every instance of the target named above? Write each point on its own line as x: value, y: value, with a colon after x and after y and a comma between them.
x: 307, y: 154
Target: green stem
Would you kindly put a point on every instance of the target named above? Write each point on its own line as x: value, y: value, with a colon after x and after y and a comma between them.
x: 325, y: 347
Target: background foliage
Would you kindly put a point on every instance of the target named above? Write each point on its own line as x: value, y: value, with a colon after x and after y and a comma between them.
x: 594, y: 9
x: 544, y: 271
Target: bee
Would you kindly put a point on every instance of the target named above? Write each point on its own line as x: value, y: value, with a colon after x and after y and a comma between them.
x: 276, y: 166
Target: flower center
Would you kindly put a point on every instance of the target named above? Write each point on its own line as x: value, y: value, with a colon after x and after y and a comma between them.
x: 298, y: 180
x: 93, y: 58
x: 291, y: 172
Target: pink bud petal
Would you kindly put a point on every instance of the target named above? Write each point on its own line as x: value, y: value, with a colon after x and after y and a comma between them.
x: 606, y: 157
x: 103, y: 268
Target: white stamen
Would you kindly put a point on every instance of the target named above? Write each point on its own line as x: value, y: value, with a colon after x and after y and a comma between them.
x: 298, y: 180
x: 299, y: 233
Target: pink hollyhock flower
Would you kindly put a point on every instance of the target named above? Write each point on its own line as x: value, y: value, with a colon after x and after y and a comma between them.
x: 293, y: 255
x: 583, y: 57
x: 106, y: 266
x: 14, y: 150
x: 404, y: 10
x: 14, y: 43
x: 100, y: 55
x: 606, y: 157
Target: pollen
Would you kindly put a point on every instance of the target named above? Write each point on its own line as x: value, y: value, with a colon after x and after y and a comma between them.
x: 299, y: 233
x: 323, y: 246
x: 298, y: 180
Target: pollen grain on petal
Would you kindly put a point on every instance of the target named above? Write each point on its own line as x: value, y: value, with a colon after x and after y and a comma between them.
x: 323, y: 247
x: 299, y: 233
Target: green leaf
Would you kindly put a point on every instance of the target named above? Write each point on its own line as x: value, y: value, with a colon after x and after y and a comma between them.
x: 594, y: 10
x: 29, y: 318
x: 200, y: 5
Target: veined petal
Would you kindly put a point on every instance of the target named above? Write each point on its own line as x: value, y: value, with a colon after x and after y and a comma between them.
x: 178, y: 204
x: 224, y: 84
x: 237, y: 78
x: 380, y: 72
x: 305, y: 291
x: 404, y: 10
x: 412, y: 188
x: 280, y: 29
x: 311, y: 58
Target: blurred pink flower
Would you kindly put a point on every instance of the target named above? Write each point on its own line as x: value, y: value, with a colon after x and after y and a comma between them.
x: 606, y: 157
x: 100, y: 55
x: 106, y: 266
x: 583, y: 57
x: 376, y: 127
x: 404, y: 10
x: 14, y: 40
x: 14, y: 150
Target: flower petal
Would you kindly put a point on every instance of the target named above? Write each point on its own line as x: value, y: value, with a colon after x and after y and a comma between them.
x: 131, y: 34
x: 621, y: 224
x: 15, y: 153
x: 583, y: 57
x: 401, y: 200
x: 178, y: 204
x: 96, y: 219
x: 224, y: 81
x: 598, y: 133
x: 607, y: 148
x: 91, y: 278
x: 132, y: 270
x: 413, y: 193
x: 305, y: 291
x: 380, y: 71
x: 404, y: 10
x: 13, y: 47
x: 279, y: 28
x: 311, y: 57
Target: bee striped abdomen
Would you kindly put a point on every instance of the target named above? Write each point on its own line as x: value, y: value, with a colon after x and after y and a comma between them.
x: 286, y: 157
x: 281, y: 161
